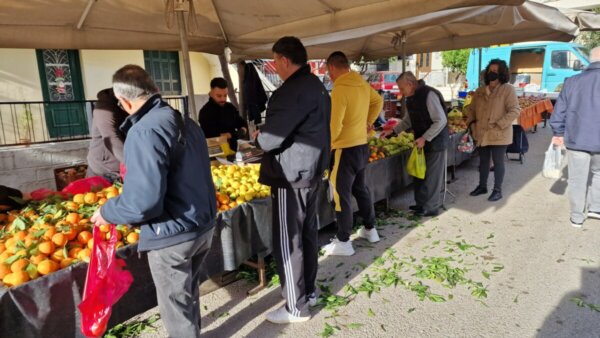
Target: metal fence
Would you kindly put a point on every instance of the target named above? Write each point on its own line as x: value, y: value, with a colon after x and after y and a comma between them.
x: 42, y: 121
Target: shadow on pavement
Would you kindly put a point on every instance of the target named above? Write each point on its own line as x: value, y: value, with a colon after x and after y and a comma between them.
x: 570, y: 320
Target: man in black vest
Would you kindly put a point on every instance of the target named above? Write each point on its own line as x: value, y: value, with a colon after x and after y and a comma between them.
x: 427, y: 118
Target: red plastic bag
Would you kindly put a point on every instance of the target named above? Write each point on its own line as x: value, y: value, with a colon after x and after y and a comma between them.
x: 40, y: 194
x: 106, y: 282
x: 87, y: 184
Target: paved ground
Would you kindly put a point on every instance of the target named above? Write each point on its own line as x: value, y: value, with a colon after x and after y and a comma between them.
x: 545, y: 264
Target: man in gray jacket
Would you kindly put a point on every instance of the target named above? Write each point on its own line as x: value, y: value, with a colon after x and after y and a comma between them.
x: 168, y: 190
x: 576, y: 124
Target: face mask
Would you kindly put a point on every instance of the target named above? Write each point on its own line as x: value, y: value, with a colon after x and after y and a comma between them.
x: 491, y: 76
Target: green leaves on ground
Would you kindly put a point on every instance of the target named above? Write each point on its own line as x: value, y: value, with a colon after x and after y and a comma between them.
x: 581, y: 303
x: 133, y: 329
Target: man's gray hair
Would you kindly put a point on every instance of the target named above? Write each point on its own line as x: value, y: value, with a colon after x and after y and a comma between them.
x: 595, y: 55
x: 409, y: 77
x: 132, y: 82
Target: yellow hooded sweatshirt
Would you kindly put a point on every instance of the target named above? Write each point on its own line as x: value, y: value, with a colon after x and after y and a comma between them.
x: 354, y: 107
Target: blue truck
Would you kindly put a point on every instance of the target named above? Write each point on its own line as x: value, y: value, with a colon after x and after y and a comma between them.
x: 537, y: 67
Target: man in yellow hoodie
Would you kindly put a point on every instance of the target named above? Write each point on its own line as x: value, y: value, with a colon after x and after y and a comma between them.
x: 354, y: 108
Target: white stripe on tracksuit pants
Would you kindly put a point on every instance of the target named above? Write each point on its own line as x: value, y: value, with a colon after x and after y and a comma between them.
x: 295, y: 244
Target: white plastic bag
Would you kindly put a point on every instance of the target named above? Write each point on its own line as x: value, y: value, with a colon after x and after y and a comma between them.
x: 553, y: 162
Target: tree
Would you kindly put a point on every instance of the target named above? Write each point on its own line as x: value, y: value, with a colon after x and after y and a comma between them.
x: 456, y: 60
x: 590, y: 39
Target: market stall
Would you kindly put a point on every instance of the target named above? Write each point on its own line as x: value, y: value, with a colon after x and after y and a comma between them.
x: 533, y: 111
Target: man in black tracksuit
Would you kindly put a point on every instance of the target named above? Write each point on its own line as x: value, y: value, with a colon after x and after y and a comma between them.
x: 296, y: 141
x: 427, y: 118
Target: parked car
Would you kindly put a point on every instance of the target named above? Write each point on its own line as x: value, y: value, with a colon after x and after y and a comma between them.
x: 384, y: 82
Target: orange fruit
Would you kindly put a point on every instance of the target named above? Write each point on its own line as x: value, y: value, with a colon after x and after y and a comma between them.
x: 119, y: 236
x: 11, y: 217
x: 102, y: 201
x: 84, y: 255
x: 100, y: 194
x: 72, y: 205
x: 2, y: 247
x: 3, y: 218
x: 70, y: 234
x: 119, y: 244
x: 47, y: 266
x: 50, y: 231
x: 19, y: 265
x: 90, y: 243
x: 90, y: 198
x: 73, y: 218
x: 36, y: 259
x: 132, y: 237
x: 16, y: 278
x: 58, y: 255
x: 4, y: 270
x: 84, y: 221
x: 84, y: 237
x: 112, y: 195
x: 111, y: 190
x: 78, y: 198
x: 29, y: 240
x: 104, y: 228
x: 22, y: 252
x: 59, y: 239
x: 73, y: 252
x: 66, y: 262
x: 4, y: 256
x: 47, y: 247
x: 20, y: 235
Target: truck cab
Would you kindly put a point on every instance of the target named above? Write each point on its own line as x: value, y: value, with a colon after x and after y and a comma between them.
x: 539, y: 67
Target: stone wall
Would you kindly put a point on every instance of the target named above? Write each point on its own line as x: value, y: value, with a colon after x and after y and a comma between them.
x: 32, y: 167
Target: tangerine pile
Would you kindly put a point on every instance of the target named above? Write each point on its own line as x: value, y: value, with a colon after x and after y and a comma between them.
x: 52, y: 234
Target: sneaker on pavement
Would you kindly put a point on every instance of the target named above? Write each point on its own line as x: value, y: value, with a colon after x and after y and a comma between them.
x: 594, y: 214
x: 339, y: 248
x: 312, y: 300
x: 282, y: 316
x: 369, y: 234
x: 576, y: 225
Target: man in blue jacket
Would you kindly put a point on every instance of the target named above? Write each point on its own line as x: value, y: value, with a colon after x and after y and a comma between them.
x: 576, y: 124
x: 296, y: 142
x: 167, y: 190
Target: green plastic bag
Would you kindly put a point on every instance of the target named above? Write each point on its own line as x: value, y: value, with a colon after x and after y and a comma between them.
x: 416, y: 163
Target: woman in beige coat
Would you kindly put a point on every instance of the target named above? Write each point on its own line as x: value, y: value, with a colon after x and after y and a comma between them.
x: 492, y: 111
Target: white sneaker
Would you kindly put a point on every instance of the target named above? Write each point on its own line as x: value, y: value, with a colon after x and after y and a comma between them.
x: 312, y: 300
x: 282, y: 316
x: 338, y: 248
x: 594, y: 214
x: 369, y: 234
x: 576, y: 225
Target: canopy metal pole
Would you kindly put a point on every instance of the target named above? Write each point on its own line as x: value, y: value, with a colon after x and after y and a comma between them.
x: 403, y: 44
x: 186, y: 62
x: 479, y: 70
x: 241, y: 67
x: 227, y: 76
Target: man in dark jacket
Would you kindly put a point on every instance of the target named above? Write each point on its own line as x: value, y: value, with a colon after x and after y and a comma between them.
x: 427, y: 118
x: 106, y: 145
x: 296, y: 142
x: 576, y: 124
x: 219, y: 117
x: 167, y: 190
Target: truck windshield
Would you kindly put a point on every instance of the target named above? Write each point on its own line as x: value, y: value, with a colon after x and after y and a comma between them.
x: 585, y: 53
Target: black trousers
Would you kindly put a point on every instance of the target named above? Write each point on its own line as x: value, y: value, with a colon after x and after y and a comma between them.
x: 428, y: 191
x: 496, y: 153
x: 348, y: 179
x: 295, y: 244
